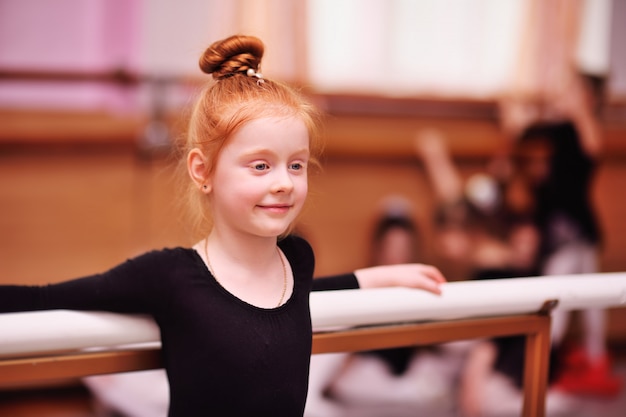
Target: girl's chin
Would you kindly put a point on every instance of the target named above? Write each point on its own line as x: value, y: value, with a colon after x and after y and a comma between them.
x: 277, y: 231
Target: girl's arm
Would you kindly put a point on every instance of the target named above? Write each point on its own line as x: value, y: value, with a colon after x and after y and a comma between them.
x: 424, y: 277
x: 577, y: 102
x: 419, y: 276
x: 131, y: 287
x: 15, y: 298
x: 444, y: 177
x: 95, y: 292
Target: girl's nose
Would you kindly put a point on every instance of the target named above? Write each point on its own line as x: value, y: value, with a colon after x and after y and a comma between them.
x: 282, y: 181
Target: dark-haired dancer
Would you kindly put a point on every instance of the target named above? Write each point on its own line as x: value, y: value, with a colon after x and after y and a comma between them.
x: 560, y: 157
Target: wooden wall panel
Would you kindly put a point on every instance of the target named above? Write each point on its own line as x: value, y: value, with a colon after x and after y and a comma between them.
x: 67, y: 211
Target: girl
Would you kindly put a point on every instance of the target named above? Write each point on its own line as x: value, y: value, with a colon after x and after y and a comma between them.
x: 232, y: 310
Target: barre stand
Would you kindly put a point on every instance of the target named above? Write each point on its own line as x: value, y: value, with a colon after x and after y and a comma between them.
x: 536, y: 328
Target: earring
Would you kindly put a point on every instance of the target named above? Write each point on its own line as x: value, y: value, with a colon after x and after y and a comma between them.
x: 204, y: 186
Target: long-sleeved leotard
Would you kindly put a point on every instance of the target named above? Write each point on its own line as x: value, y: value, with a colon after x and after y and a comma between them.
x: 223, y: 356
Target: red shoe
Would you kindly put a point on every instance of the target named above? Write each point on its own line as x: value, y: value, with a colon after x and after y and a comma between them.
x: 575, y: 358
x: 593, y: 379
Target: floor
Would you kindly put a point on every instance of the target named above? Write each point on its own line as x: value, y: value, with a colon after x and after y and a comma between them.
x: 434, y: 378
x: 558, y: 406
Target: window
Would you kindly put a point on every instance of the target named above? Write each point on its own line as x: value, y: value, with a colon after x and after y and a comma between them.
x: 413, y: 47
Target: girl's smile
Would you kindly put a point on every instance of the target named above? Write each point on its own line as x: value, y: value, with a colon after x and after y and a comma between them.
x: 276, y: 208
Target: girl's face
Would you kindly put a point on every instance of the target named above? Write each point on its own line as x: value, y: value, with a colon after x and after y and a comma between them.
x: 396, y: 246
x: 260, y: 180
x: 534, y: 161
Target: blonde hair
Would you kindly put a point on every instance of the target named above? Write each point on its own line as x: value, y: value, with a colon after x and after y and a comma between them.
x: 234, y: 98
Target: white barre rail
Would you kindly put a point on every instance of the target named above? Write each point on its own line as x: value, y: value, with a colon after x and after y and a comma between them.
x: 57, y: 331
x: 39, y: 346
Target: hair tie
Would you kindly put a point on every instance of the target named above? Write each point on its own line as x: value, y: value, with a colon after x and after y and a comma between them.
x: 252, y: 73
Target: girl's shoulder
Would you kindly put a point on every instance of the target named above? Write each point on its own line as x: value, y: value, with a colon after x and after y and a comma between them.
x: 296, y: 245
x: 162, y: 271
x: 167, y: 254
x: 299, y: 253
x: 160, y: 263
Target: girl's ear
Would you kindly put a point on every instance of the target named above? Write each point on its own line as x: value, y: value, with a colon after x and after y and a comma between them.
x: 197, y: 168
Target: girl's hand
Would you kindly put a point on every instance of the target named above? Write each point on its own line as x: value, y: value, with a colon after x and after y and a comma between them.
x: 425, y: 277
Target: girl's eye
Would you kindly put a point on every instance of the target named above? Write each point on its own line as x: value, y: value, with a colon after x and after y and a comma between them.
x: 261, y: 166
x: 296, y: 166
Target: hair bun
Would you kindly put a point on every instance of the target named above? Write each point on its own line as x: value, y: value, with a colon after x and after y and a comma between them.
x: 235, y: 54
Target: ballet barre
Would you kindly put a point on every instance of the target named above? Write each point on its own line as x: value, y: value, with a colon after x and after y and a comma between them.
x: 60, y: 344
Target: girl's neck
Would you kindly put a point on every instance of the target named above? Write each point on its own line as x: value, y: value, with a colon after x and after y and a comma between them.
x: 254, y: 270
x: 243, y: 250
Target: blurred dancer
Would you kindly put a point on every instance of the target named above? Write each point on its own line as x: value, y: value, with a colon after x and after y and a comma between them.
x: 406, y: 378
x: 560, y: 157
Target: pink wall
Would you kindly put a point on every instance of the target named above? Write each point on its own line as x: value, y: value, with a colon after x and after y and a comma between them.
x: 69, y: 35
